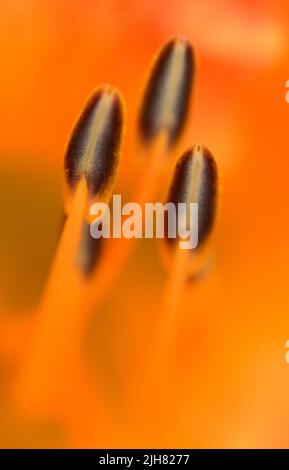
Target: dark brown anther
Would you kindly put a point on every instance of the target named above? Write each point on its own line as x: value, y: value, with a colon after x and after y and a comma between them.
x: 93, y: 151
x: 167, y: 95
x: 195, y: 180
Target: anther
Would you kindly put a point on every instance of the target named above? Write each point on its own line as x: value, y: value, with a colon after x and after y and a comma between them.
x: 195, y: 180
x: 93, y: 151
x: 167, y: 94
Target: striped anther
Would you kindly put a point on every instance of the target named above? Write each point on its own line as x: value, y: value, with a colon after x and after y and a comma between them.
x: 167, y: 95
x: 93, y: 151
x: 195, y: 180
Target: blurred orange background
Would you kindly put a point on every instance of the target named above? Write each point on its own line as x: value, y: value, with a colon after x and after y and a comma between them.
x: 231, y: 379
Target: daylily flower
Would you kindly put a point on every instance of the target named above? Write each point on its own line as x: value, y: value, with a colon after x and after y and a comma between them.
x: 227, y: 380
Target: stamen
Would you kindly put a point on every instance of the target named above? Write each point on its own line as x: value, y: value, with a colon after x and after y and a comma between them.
x: 167, y: 95
x: 194, y: 181
x: 91, y: 165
